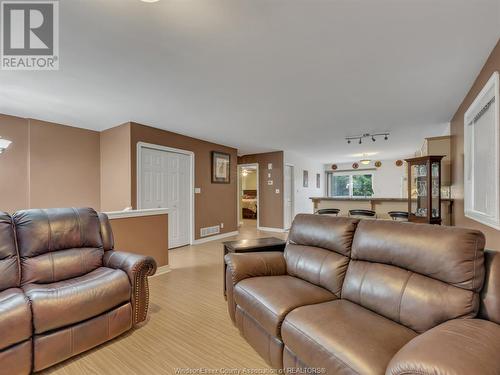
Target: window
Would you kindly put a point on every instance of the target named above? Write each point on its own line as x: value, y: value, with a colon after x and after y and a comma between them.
x: 482, y: 156
x: 349, y: 185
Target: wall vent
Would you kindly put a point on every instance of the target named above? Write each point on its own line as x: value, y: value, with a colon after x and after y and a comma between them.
x: 208, y: 231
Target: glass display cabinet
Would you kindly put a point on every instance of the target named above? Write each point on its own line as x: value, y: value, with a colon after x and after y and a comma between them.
x: 424, y: 189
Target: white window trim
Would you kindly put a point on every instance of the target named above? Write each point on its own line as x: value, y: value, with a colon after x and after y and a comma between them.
x: 350, y: 175
x: 469, y: 175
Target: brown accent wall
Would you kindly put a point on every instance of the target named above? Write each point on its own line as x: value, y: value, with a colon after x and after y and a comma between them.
x: 457, y: 152
x: 270, y: 204
x: 115, y: 168
x: 64, y: 166
x: 14, y: 191
x: 145, y: 235
x: 48, y: 165
x: 216, y: 203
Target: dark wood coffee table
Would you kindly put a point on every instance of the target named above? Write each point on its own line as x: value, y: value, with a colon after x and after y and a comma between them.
x: 251, y: 246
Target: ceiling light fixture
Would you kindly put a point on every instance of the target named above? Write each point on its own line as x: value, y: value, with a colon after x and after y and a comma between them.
x: 367, y: 135
x: 150, y: 1
x: 365, y: 160
x: 4, y: 144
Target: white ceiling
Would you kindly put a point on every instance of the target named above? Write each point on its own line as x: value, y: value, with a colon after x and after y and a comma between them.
x: 262, y: 75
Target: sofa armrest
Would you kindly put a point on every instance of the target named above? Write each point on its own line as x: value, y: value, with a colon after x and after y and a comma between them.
x: 138, y: 268
x: 245, y: 265
x: 242, y: 266
x: 459, y: 346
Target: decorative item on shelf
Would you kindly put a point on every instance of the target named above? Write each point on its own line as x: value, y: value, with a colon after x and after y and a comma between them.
x: 221, y: 167
x: 399, y: 163
x: 378, y: 164
x: 372, y: 136
x: 355, y: 165
x: 4, y: 144
x: 424, y: 189
x: 334, y: 167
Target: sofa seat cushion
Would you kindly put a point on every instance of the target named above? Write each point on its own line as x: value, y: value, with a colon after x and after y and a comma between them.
x: 71, y: 301
x: 268, y: 299
x: 343, y: 337
x: 15, y: 317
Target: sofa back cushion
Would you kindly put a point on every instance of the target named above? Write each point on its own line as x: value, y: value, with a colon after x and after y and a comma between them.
x: 9, y: 261
x: 58, y: 244
x: 319, y: 248
x: 417, y: 275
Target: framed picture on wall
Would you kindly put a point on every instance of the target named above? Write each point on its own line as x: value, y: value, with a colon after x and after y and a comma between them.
x: 305, y: 182
x: 221, y: 167
x: 318, y: 181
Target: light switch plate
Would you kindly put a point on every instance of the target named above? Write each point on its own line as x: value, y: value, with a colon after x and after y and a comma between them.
x: 197, y: 190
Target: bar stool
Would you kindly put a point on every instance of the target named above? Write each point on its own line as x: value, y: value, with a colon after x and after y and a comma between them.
x: 398, y: 215
x: 328, y: 211
x: 363, y: 213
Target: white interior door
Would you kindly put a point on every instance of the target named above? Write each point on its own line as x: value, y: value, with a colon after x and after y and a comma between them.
x: 288, y: 196
x: 165, y: 183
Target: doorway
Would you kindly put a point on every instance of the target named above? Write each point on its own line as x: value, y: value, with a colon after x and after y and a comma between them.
x: 288, y: 195
x: 248, y: 195
x: 165, y: 180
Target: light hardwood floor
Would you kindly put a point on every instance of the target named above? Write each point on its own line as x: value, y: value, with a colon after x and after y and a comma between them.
x: 188, y: 325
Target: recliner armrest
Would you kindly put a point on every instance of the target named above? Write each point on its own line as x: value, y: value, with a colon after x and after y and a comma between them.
x: 245, y: 265
x: 138, y: 268
x: 459, y: 346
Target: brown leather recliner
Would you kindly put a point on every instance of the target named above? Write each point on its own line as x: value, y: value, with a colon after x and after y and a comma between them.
x: 82, y: 293
x: 371, y: 297
x: 15, y: 313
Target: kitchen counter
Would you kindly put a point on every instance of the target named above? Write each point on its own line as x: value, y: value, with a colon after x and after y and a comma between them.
x: 369, y: 199
x: 380, y: 205
x: 137, y: 213
x: 142, y: 232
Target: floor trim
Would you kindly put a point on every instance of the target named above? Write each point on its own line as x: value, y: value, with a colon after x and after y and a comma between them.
x: 162, y: 270
x: 215, y: 238
x: 268, y: 229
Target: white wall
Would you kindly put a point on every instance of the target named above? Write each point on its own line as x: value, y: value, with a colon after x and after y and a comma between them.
x: 388, y: 180
x: 302, y: 203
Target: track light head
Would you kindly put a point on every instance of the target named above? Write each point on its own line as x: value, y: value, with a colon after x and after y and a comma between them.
x: 360, y: 141
x: 373, y: 138
x: 386, y: 137
x: 348, y: 141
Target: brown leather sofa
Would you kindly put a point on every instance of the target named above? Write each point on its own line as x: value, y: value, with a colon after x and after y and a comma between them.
x: 64, y: 288
x: 371, y: 297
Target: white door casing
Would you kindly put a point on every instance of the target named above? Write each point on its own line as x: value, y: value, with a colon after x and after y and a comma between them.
x: 165, y: 181
x: 288, y: 196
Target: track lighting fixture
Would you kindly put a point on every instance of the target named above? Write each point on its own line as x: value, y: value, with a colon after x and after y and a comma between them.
x: 373, y: 137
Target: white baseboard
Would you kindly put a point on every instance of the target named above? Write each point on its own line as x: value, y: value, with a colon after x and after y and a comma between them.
x: 162, y: 270
x: 268, y: 229
x: 215, y: 238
